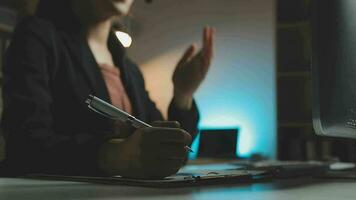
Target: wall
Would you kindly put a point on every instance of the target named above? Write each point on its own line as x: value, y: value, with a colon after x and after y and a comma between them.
x: 7, y: 22
x: 240, y: 88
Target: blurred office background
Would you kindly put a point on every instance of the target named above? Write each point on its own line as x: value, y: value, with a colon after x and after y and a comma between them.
x: 239, y: 91
x: 259, y: 82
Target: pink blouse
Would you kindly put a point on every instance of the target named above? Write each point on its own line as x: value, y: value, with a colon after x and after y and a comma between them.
x: 115, y: 87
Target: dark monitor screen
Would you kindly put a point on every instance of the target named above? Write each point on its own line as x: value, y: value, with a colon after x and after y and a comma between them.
x: 334, y: 67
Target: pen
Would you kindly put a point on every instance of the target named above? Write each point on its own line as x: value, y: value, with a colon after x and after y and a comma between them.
x: 102, y: 107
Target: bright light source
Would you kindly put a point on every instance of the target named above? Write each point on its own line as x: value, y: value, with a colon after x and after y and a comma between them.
x: 124, y: 38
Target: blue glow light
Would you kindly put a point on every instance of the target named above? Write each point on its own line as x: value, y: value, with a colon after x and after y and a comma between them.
x: 249, y: 141
x: 241, y: 95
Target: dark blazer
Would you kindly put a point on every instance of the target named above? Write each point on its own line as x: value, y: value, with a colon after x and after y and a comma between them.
x: 47, y: 75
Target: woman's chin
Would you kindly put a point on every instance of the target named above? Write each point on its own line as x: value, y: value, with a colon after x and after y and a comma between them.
x: 122, y: 9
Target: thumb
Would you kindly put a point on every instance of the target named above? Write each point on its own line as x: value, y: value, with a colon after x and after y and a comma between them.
x: 188, y: 54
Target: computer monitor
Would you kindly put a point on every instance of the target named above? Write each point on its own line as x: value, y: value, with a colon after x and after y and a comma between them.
x: 334, y: 67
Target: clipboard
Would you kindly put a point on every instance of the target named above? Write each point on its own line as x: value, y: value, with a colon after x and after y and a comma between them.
x: 181, y: 179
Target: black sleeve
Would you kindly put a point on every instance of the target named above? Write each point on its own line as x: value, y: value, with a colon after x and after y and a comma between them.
x: 188, y: 118
x: 32, y: 144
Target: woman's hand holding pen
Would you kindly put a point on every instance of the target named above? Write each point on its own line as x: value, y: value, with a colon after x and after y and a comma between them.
x: 192, y: 69
x: 149, y: 153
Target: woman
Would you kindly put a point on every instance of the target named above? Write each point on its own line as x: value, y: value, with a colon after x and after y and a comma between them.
x: 63, y: 54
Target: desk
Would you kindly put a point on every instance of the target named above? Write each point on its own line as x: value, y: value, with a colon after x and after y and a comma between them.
x: 303, y: 188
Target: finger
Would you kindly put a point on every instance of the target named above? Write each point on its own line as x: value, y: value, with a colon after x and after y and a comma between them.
x: 123, y: 129
x: 205, y: 46
x: 205, y: 39
x: 209, y: 50
x: 166, y: 124
x: 154, y: 168
x: 171, y: 151
x: 188, y: 55
x: 157, y: 135
x: 202, y: 62
x: 167, y: 151
x: 212, y: 33
x: 174, y: 135
x: 178, y: 136
x: 158, y: 168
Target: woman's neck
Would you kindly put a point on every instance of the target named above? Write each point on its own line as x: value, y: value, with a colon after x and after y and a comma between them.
x: 99, y: 32
x: 97, y: 37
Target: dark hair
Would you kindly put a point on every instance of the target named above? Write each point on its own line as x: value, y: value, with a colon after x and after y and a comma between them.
x: 60, y: 13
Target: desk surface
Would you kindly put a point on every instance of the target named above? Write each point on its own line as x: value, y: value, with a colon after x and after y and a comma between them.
x: 16, y: 189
